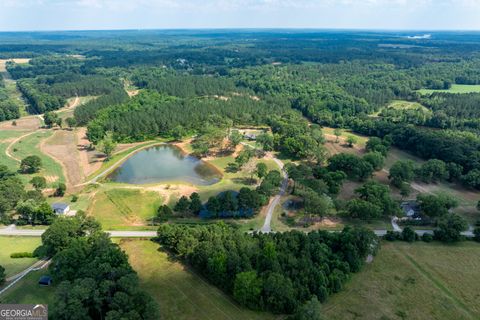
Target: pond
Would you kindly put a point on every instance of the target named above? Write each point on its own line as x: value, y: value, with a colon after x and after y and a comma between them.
x: 164, y: 163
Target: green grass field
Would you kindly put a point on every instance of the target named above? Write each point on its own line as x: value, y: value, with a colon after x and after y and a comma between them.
x: 28, y: 291
x: 405, y: 105
x: 30, y: 146
x: 124, y: 208
x: 413, y: 281
x: 456, y: 88
x: 10, y: 245
x: 5, y: 139
x: 180, y: 293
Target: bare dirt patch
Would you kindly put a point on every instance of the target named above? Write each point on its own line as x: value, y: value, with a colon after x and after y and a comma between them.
x: 89, y: 159
x: 29, y: 123
x: 62, y: 147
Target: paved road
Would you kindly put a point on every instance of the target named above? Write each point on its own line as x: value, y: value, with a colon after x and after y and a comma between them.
x: 12, y: 231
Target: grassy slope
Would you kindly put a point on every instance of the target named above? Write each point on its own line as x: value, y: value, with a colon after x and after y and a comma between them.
x: 5, y: 139
x: 180, y: 293
x: 10, y: 245
x: 456, y: 88
x: 29, y: 146
x: 420, y: 281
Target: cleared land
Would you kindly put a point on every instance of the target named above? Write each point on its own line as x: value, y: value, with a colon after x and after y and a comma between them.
x: 456, y: 88
x: 10, y: 245
x: 413, y: 281
x: 180, y: 293
x: 30, y: 145
x: 120, y: 208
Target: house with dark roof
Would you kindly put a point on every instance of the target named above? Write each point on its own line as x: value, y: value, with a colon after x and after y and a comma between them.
x: 60, y: 208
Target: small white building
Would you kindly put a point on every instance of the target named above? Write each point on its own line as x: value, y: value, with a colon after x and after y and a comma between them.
x: 60, y: 208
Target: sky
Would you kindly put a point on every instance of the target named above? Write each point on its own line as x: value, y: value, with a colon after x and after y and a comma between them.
x: 27, y: 15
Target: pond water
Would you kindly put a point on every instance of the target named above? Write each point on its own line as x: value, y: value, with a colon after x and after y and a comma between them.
x: 164, y: 163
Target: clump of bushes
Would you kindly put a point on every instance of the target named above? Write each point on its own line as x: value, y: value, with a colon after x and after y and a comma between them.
x: 17, y: 255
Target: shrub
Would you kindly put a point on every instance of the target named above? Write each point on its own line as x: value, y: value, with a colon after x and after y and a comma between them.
x: 17, y: 255
x: 427, y: 237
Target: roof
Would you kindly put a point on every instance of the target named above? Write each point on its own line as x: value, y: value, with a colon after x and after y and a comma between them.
x: 45, y: 280
x: 60, y: 206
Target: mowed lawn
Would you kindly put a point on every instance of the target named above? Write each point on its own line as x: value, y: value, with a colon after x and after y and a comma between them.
x: 9, y: 245
x: 456, y: 88
x: 124, y: 208
x: 180, y: 293
x: 413, y: 281
x: 6, y: 137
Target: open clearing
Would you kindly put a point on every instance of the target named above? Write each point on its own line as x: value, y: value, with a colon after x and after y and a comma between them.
x: 181, y: 294
x: 456, y: 88
x: 62, y: 146
x: 10, y: 245
x: 413, y: 281
x: 117, y: 208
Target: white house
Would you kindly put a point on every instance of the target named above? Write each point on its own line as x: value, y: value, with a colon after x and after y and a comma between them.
x: 60, y: 208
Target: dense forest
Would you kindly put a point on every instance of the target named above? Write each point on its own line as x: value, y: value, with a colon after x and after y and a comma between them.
x: 262, y: 271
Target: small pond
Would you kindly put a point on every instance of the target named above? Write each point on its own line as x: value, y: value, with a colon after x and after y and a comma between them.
x: 164, y: 163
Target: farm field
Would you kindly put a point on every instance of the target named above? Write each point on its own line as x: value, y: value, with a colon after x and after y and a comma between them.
x: 413, y: 281
x: 10, y: 245
x: 456, y: 88
x: 180, y: 293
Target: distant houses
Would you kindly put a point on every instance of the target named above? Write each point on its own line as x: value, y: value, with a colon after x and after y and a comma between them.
x: 60, y: 208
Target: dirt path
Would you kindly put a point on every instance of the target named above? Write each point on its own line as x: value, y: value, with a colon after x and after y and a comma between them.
x: 8, y: 149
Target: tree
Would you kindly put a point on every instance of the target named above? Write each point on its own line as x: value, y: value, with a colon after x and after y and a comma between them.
x: 266, y: 141
x: 38, y: 182
x: 408, y: 234
x: 164, y: 212
x: 51, y: 118
x: 178, y: 132
x: 71, y: 122
x: 405, y: 190
x: 433, y: 170
x: 450, y: 227
x: 261, y: 170
x: 107, y: 145
x: 31, y: 164
x: 376, y: 159
x: 337, y: 132
x: 195, y: 203
x: 401, y: 171
x: 247, y: 289
x: 3, y: 276
x: 351, y: 140
x: 60, y: 191
x: 182, y: 206
x: 476, y: 234
x: 436, y: 205
x: 235, y: 138
x: 361, y: 209
x: 311, y: 310
x: 375, y: 144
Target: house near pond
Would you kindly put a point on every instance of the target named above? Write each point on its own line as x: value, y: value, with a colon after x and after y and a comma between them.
x: 60, y: 208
